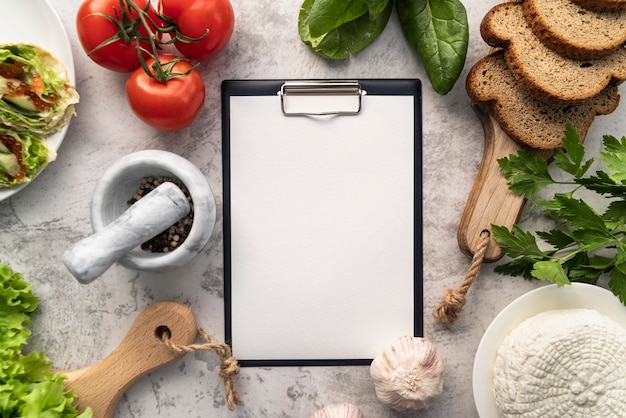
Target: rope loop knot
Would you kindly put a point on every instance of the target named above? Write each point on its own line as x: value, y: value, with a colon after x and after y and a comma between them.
x: 229, y: 367
x: 450, y: 306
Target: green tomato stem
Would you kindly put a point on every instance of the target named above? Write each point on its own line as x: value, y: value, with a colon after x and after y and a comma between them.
x: 128, y: 30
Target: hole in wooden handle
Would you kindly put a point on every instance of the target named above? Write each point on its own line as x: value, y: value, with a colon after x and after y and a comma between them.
x: 162, y: 331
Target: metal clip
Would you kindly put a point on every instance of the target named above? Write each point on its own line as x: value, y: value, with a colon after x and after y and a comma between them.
x: 344, y: 96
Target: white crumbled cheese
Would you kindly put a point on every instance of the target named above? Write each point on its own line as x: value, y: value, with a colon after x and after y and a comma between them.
x: 565, y: 363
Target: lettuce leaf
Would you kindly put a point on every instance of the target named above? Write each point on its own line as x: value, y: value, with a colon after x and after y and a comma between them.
x: 33, y: 155
x: 28, y: 387
x: 48, y: 76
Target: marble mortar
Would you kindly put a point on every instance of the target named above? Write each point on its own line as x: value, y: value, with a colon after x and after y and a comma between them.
x: 121, y: 181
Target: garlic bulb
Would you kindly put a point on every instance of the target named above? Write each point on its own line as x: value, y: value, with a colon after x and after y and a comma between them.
x: 408, y: 375
x: 339, y: 410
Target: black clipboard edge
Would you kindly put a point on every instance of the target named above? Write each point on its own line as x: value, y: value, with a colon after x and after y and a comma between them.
x: 268, y: 87
x: 305, y: 363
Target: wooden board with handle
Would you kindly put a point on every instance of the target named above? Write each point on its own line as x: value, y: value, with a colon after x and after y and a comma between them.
x: 490, y: 201
x: 101, y: 385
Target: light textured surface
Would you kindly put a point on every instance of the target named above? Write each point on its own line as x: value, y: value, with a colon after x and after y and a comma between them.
x: 78, y: 325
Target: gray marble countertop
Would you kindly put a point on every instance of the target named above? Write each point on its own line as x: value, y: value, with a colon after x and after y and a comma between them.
x: 77, y: 324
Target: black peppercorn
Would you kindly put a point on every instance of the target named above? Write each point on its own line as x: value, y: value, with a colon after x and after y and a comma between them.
x: 176, y: 234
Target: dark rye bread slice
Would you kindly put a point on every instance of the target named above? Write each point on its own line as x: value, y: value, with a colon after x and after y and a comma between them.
x: 544, y: 73
x: 601, y: 5
x: 573, y: 31
x: 525, y: 119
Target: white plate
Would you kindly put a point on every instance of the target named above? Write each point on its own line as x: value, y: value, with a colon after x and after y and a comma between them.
x: 36, y: 22
x: 576, y: 295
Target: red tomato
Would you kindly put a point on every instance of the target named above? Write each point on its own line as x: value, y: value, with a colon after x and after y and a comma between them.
x: 93, y: 29
x: 193, y: 18
x: 170, y: 105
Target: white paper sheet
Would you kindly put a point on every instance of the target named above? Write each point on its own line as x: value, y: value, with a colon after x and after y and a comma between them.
x: 322, y: 230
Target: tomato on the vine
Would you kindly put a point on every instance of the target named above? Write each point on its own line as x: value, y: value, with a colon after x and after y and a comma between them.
x: 94, y: 27
x: 170, y: 105
x: 193, y: 18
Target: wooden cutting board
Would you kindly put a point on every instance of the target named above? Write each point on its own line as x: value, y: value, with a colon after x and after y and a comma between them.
x: 101, y: 385
x: 490, y: 201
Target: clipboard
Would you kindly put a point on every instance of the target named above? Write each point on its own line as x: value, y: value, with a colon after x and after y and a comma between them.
x: 322, y: 219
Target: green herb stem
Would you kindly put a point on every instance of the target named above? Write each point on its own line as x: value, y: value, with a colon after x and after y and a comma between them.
x: 587, y: 244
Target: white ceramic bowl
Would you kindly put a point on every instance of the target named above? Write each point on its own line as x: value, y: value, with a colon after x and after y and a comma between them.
x: 542, y: 299
x: 121, y: 181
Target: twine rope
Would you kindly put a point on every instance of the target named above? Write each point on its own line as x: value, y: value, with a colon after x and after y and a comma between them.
x: 450, y: 306
x: 229, y: 366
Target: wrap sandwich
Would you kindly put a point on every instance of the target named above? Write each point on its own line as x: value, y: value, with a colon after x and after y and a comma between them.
x: 36, y: 99
x: 22, y: 155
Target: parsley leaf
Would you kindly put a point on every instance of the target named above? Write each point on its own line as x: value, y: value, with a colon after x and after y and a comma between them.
x: 551, y: 271
x: 517, y: 242
x: 587, y: 244
x: 617, y: 284
x: 603, y: 184
x: 615, y: 157
x: 526, y: 174
x: 571, y: 161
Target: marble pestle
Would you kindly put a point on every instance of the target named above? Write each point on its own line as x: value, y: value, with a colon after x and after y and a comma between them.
x: 152, y: 214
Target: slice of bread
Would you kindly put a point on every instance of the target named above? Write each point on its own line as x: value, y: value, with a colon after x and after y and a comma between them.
x: 573, y: 31
x: 601, y: 5
x: 542, y: 72
x: 525, y: 119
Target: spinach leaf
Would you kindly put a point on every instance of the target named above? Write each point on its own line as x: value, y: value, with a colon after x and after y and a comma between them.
x: 326, y: 15
x: 439, y: 31
x: 337, y: 28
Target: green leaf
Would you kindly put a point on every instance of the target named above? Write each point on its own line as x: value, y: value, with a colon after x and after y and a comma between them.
x: 516, y: 243
x: 620, y: 254
x: 616, y: 214
x: 550, y: 271
x: 350, y: 37
x: 612, y: 145
x: 557, y: 238
x: 590, y: 240
x: 439, y: 32
x: 526, y: 174
x: 603, y: 184
x: 573, y: 167
x: 615, y: 157
x: 581, y: 268
x: 579, y: 214
x: 575, y: 152
x: 617, y: 284
x: 587, y: 245
x: 326, y: 15
x: 377, y: 7
x: 28, y: 386
x: 562, y: 161
x: 521, y: 266
x: 550, y: 207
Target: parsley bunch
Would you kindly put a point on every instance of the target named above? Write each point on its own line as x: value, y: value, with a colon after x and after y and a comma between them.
x: 586, y: 243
